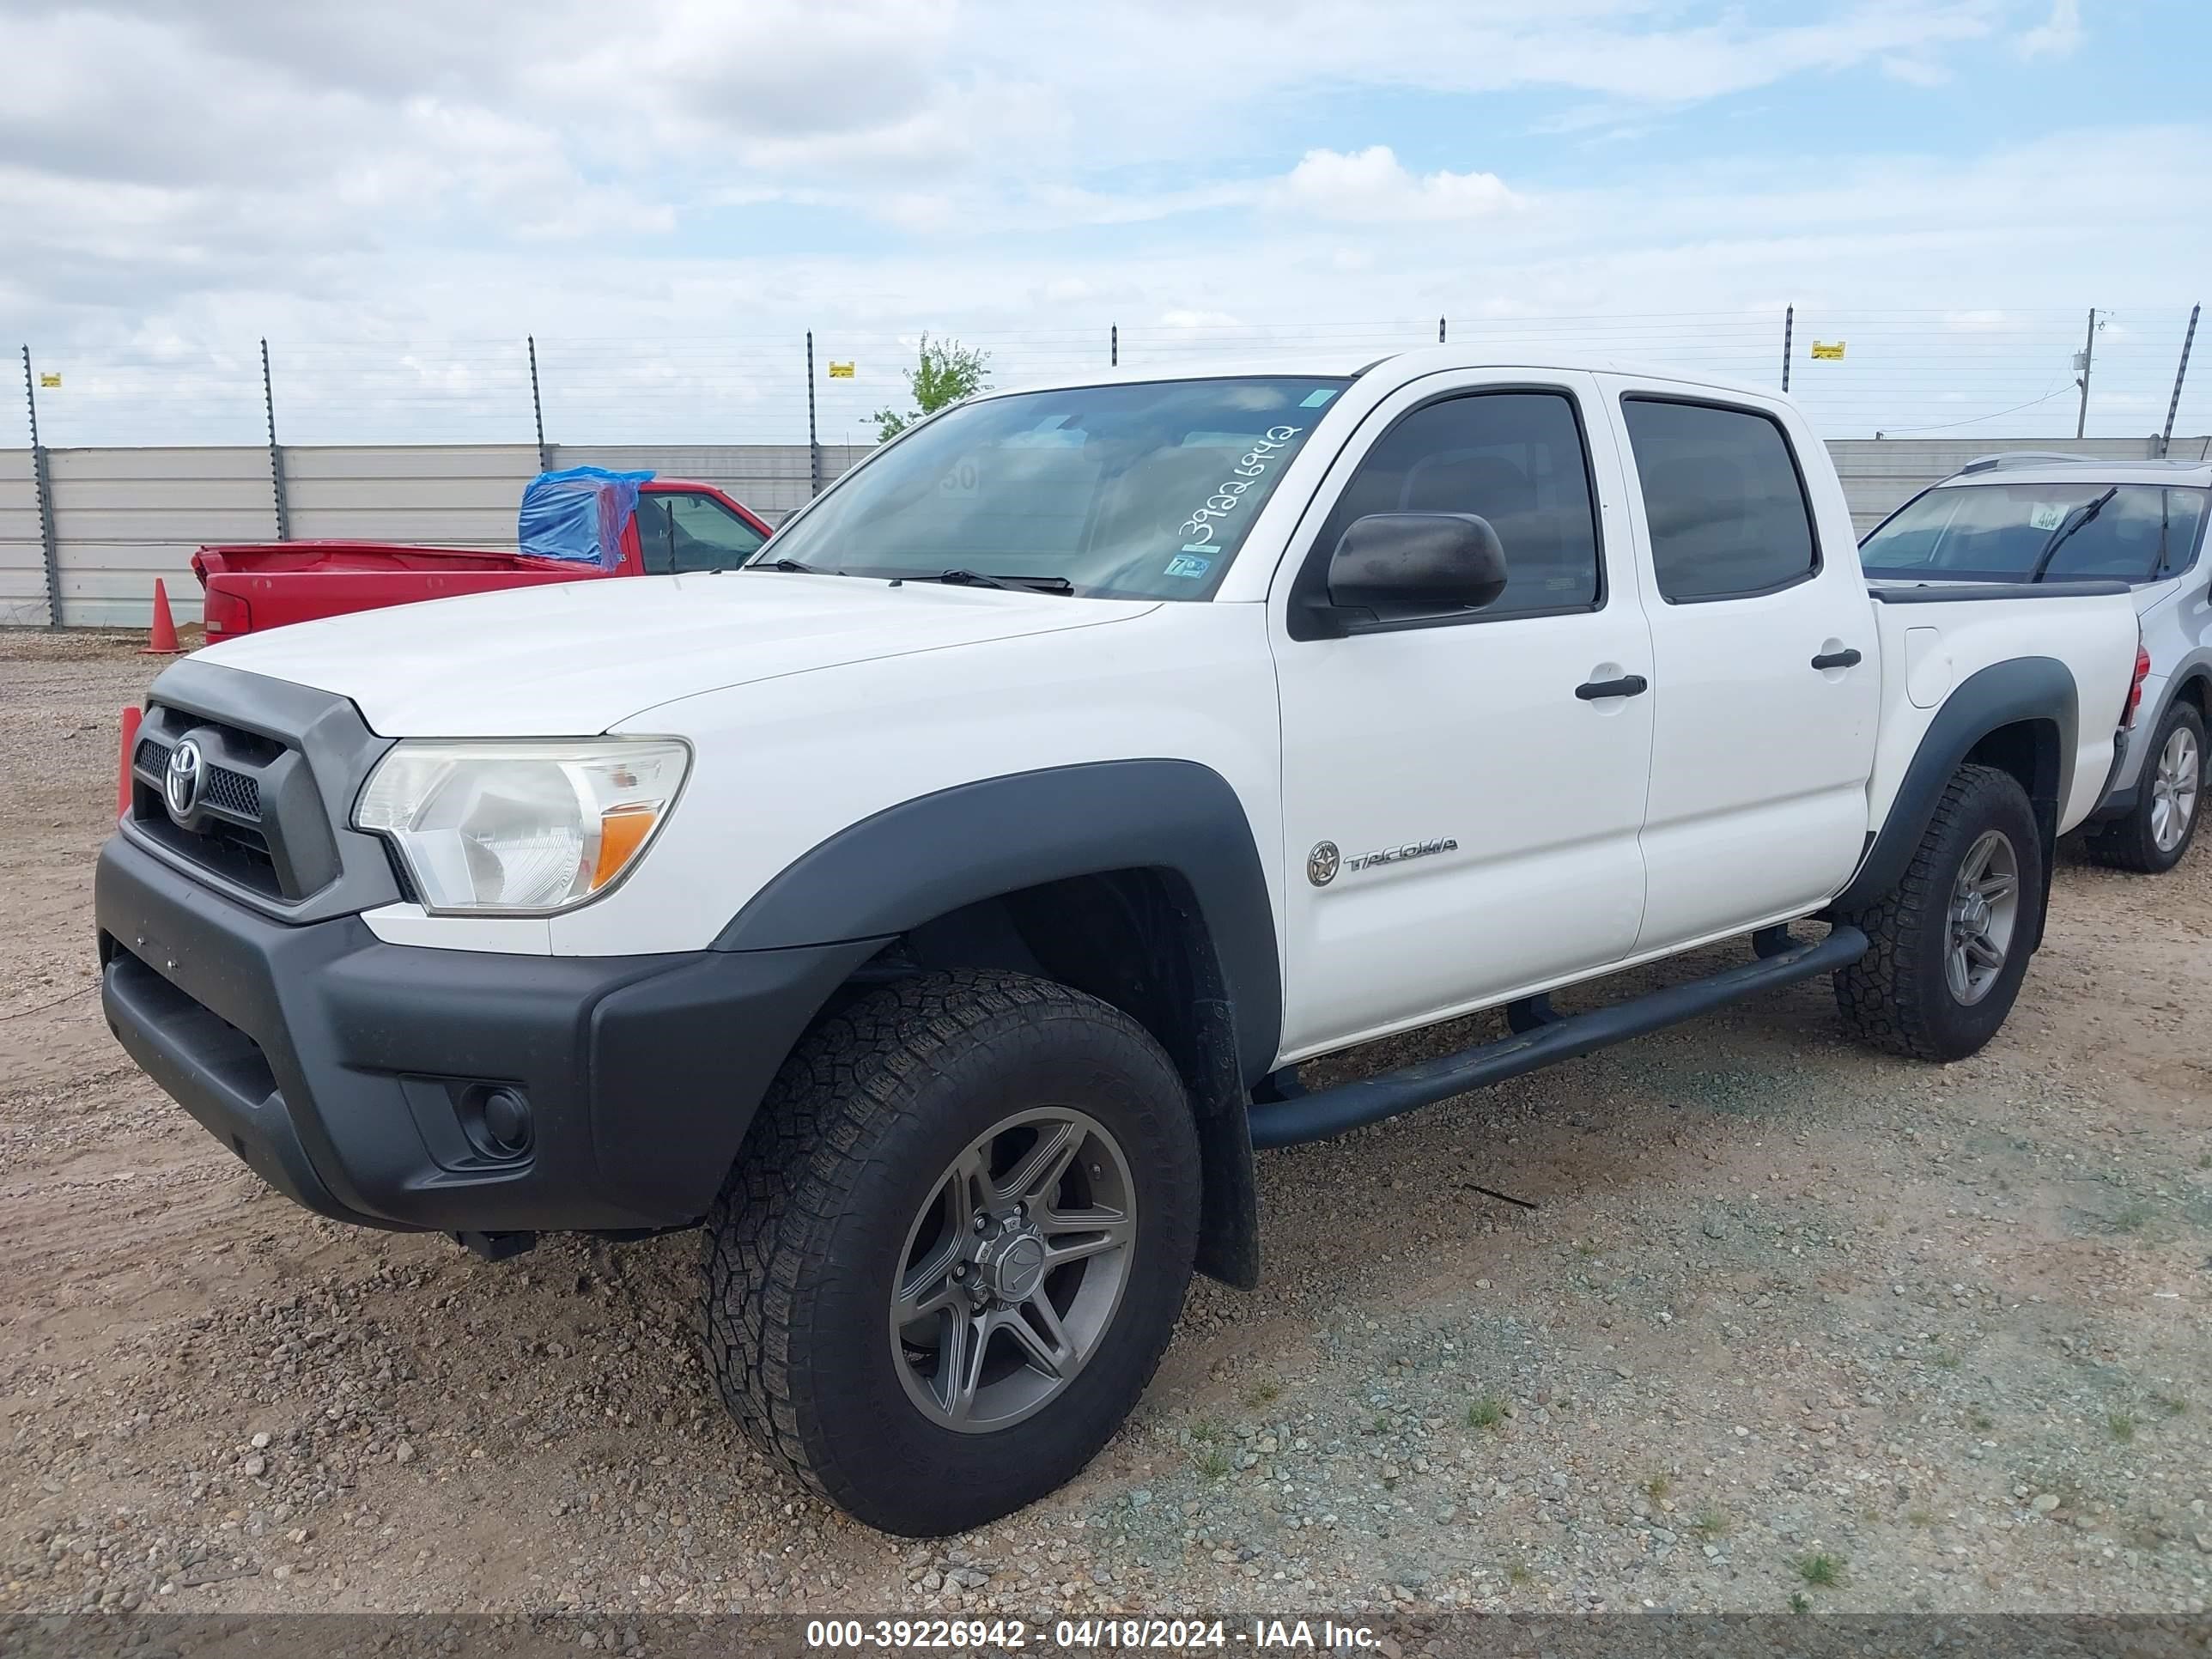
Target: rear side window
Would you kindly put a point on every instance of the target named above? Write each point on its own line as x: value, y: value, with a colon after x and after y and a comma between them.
x: 1514, y: 458
x: 1723, y: 497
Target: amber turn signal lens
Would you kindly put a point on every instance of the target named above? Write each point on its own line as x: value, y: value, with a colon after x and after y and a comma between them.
x: 622, y: 830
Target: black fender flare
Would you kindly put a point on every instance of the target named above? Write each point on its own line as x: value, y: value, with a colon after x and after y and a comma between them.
x: 926, y: 857
x: 2003, y: 694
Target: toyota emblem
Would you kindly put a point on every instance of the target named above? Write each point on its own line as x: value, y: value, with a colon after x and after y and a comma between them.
x: 186, y: 776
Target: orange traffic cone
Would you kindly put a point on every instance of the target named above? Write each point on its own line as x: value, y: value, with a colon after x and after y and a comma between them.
x: 162, y: 641
x: 131, y: 716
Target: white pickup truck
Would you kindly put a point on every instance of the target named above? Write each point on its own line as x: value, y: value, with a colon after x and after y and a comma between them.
x: 939, y: 907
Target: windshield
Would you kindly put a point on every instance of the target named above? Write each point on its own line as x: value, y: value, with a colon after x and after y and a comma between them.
x: 1141, y: 491
x: 2038, y: 532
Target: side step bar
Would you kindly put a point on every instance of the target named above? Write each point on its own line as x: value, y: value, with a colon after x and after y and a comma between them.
x: 1370, y: 1100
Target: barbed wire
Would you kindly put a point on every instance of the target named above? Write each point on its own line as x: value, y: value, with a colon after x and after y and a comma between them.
x: 1902, y: 370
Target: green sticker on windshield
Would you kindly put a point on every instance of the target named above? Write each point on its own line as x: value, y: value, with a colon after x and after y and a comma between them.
x: 1319, y: 396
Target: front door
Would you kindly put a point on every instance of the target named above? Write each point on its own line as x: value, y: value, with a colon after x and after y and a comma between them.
x: 1462, y: 790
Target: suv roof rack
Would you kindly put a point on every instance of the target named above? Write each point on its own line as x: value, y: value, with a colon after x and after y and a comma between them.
x: 2026, y: 458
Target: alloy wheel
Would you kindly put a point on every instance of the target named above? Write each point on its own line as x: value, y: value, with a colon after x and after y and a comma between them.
x: 1013, y: 1269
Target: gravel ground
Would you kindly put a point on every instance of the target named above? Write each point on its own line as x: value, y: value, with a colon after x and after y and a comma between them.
x: 1791, y: 1325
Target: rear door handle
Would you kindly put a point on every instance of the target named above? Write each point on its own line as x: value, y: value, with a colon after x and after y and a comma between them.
x: 1628, y: 685
x: 1846, y: 659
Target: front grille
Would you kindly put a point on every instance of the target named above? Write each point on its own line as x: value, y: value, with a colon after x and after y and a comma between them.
x: 236, y: 793
x: 233, y: 830
x: 280, y: 763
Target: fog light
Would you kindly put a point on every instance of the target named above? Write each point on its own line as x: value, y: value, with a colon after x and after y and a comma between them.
x: 504, y: 1116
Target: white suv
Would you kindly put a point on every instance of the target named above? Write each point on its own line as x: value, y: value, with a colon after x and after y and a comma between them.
x: 2040, y: 518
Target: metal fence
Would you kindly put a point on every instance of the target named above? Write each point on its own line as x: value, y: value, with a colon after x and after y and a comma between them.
x: 2110, y: 372
x: 114, y: 519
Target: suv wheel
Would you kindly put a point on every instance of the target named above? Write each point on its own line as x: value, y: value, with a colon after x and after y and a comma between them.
x: 1946, y: 948
x: 2152, y: 838
x: 954, y: 1248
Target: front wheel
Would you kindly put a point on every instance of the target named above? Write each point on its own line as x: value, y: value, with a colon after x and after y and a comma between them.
x: 1948, y: 946
x: 2157, y: 830
x: 954, y: 1248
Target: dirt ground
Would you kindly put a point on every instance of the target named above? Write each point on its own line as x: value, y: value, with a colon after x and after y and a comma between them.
x: 1792, y: 1325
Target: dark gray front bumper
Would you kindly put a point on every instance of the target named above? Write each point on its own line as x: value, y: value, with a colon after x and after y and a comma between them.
x: 344, y: 1070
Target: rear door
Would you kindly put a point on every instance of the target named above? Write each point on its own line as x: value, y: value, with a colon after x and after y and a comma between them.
x: 1461, y: 808
x: 1767, y: 676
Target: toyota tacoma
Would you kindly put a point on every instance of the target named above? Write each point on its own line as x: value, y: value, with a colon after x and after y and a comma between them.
x: 936, y: 911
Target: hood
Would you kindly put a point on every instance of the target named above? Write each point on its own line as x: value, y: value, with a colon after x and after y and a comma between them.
x: 573, y: 659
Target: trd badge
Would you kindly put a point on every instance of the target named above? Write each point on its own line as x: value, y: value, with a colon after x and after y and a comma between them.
x: 1321, y: 864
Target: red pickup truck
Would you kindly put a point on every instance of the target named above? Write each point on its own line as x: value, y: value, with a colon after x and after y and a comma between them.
x: 678, y: 526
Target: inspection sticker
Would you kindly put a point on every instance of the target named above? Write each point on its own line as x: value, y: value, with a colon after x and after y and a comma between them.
x: 1188, y: 564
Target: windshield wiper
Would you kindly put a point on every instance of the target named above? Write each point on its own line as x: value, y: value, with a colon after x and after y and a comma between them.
x: 1012, y: 584
x: 792, y: 564
x: 2058, y: 536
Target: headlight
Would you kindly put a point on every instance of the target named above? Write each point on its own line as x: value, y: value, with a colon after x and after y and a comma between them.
x: 521, y: 826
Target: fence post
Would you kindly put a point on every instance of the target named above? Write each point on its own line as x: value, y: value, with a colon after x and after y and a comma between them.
x: 537, y: 408
x: 813, y: 442
x: 2173, y: 404
x: 42, y: 486
x: 1113, y: 346
x: 1788, y: 328
x: 275, y: 455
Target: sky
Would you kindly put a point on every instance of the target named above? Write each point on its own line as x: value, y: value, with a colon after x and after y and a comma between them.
x: 668, y: 195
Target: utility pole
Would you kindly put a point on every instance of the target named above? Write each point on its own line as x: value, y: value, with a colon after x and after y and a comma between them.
x: 1789, y: 328
x: 2082, y: 362
x: 2165, y: 438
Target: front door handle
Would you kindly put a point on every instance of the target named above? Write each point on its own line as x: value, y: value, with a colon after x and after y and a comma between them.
x: 1844, y: 658
x: 1628, y: 685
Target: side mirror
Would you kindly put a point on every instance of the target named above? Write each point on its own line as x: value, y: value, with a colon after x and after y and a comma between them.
x: 1438, y: 561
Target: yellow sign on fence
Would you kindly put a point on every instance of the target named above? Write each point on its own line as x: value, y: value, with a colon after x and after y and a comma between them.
x: 49, y: 379
x: 840, y: 371
x: 1825, y: 348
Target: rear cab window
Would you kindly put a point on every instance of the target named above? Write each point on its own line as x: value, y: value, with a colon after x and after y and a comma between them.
x: 2077, y: 530
x: 1724, y: 500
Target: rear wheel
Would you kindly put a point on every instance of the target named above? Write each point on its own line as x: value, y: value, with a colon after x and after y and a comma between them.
x: 2152, y: 838
x: 953, y: 1250
x: 1946, y: 948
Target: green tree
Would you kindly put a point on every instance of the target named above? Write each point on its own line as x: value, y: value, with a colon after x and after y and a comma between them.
x: 944, y: 371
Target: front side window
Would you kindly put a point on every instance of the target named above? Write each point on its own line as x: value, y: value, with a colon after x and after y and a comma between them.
x: 1143, y: 491
x: 2039, y: 532
x: 1722, y: 498
x: 1514, y: 458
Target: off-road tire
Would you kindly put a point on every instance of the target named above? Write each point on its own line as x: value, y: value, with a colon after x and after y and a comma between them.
x: 2126, y: 843
x: 805, y: 1238
x: 1896, y: 997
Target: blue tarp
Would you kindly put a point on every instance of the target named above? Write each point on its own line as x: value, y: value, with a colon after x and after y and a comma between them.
x: 578, y: 513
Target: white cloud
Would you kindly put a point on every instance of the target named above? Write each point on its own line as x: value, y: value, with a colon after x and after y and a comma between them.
x: 1916, y: 71
x: 2058, y: 36
x: 1372, y: 187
